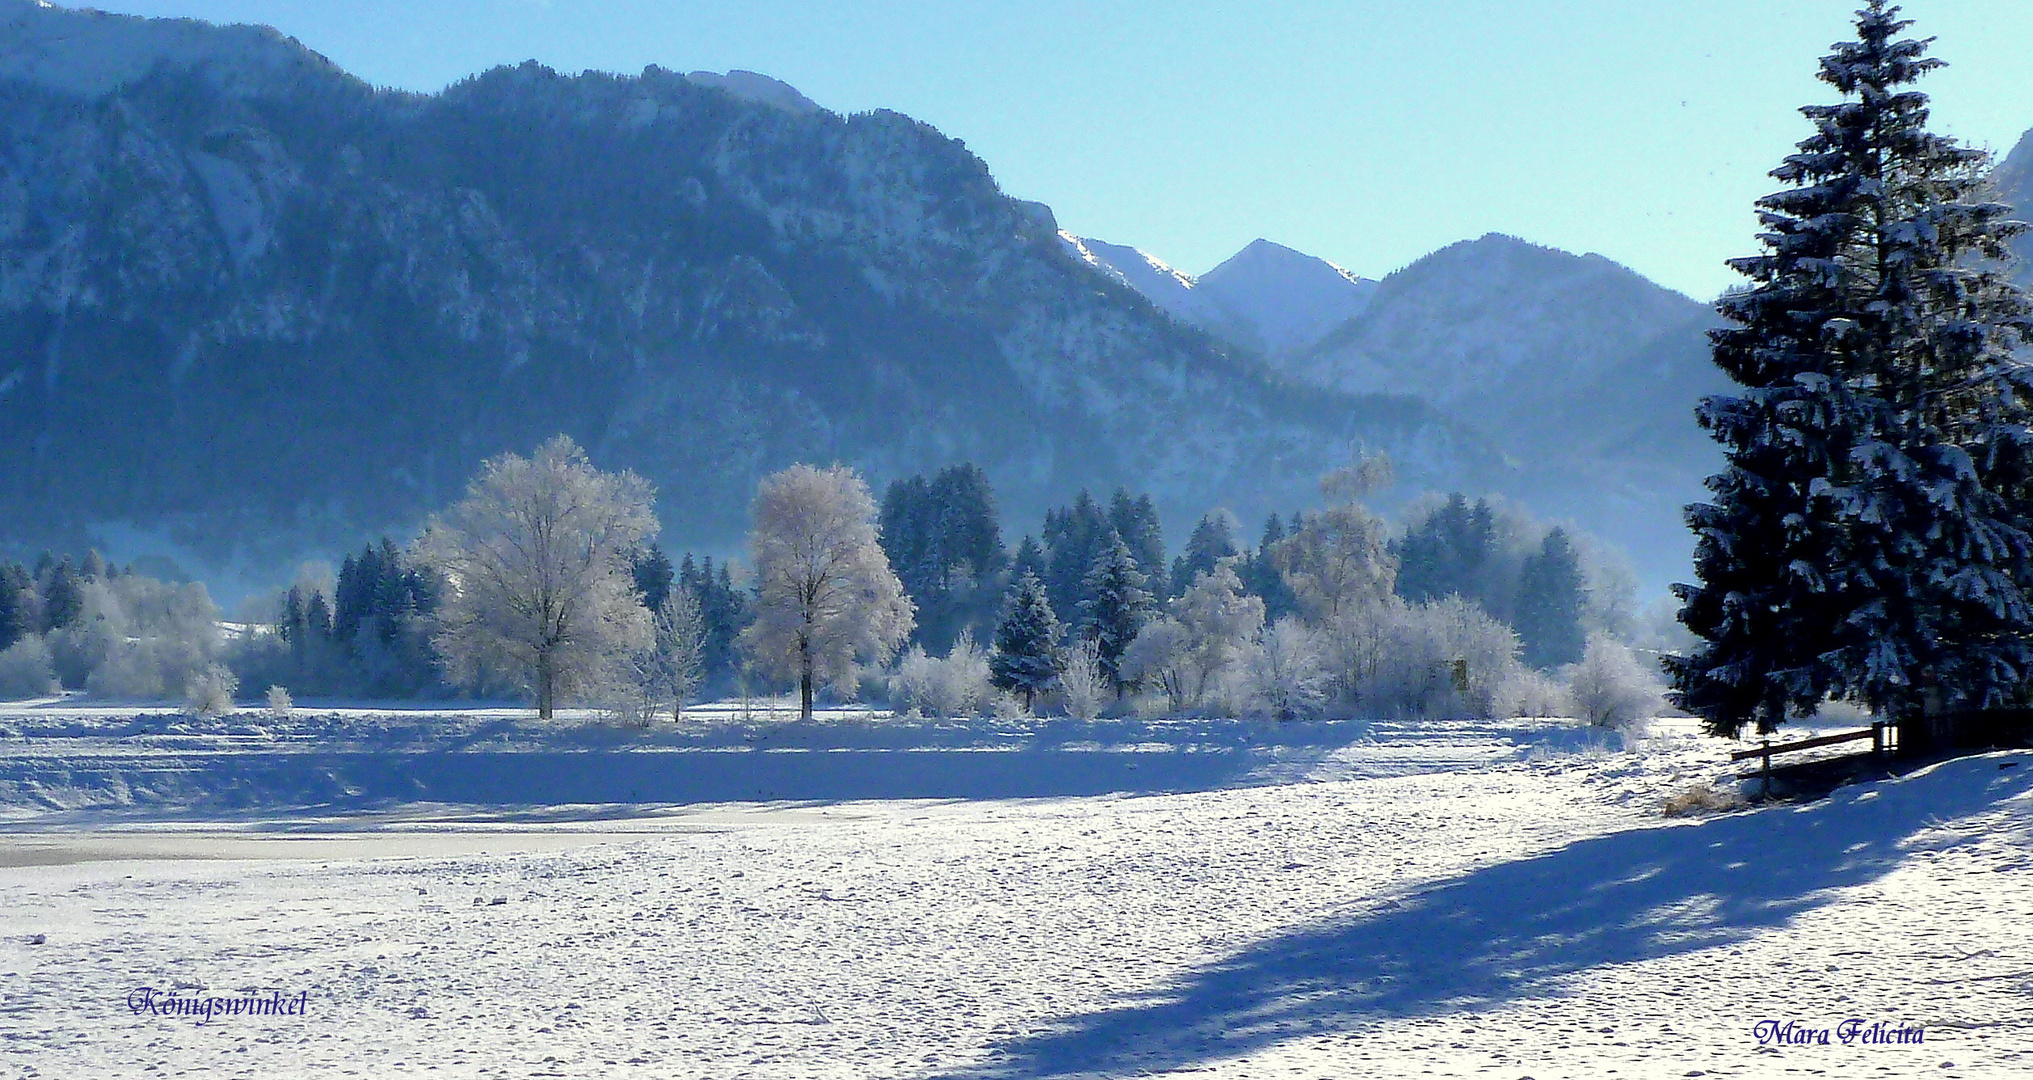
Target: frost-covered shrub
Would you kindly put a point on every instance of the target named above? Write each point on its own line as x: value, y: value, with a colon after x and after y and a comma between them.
x: 26, y: 671
x: 1159, y: 660
x: 955, y: 686
x: 1527, y: 692
x: 210, y: 692
x: 1445, y: 658
x: 138, y: 638
x: 1481, y: 653
x: 1281, y: 674
x: 1610, y: 688
x: 280, y: 707
x: 1004, y: 705
x: 1083, y: 684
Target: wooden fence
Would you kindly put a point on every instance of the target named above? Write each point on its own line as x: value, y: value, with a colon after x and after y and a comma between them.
x: 1881, y: 734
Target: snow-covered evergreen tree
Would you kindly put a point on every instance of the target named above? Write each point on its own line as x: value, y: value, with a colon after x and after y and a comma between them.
x: 1867, y: 539
x: 1213, y: 540
x: 1114, y: 606
x: 1073, y: 538
x: 1026, y: 657
x: 1449, y: 553
x: 1136, y: 521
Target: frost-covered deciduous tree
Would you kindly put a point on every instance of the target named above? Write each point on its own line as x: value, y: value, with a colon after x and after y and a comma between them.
x: 1026, y: 657
x: 538, y: 560
x: 678, y: 627
x: 1159, y: 658
x: 137, y: 638
x: 1283, y: 676
x: 1339, y: 557
x: 667, y: 671
x: 825, y: 596
x: 1193, y: 652
x: 1868, y: 538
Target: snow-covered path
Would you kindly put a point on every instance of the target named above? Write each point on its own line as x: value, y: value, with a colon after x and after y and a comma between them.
x: 1498, y: 918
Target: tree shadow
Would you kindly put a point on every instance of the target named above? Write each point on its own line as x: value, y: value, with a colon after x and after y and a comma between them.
x: 1519, y: 929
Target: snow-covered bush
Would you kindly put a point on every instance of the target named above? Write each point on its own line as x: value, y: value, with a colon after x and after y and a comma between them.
x: 1527, y: 692
x: 1481, y: 653
x: 26, y: 671
x: 1281, y: 673
x: 1004, y: 705
x: 1159, y: 660
x: 1082, y: 682
x: 138, y: 638
x: 210, y: 692
x: 1445, y: 658
x: 280, y: 707
x: 1610, y: 688
x: 955, y: 686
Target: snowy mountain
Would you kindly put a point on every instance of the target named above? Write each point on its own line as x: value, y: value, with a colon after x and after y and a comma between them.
x: 1266, y: 298
x: 1287, y: 300
x: 252, y: 308
x: 1583, y: 371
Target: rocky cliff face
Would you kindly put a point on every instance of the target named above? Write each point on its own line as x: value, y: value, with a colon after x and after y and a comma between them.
x: 251, y: 307
x: 2014, y: 178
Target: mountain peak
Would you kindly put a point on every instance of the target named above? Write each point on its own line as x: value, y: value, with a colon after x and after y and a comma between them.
x: 1261, y: 255
x: 1287, y: 298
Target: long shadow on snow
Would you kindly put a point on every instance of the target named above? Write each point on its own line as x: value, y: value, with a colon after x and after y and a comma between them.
x: 792, y: 763
x: 1517, y: 929
x: 340, y: 780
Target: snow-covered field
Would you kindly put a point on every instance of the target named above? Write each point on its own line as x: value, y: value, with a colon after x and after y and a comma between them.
x: 1233, y: 901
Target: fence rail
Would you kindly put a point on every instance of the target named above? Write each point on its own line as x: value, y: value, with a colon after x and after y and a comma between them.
x: 1878, y: 733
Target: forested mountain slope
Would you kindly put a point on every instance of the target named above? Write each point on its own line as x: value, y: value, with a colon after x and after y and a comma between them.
x: 251, y: 307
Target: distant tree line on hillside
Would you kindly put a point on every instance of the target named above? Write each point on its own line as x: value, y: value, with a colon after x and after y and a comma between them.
x: 1466, y: 608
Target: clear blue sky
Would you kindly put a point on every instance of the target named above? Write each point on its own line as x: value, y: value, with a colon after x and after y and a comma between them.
x: 1368, y: 132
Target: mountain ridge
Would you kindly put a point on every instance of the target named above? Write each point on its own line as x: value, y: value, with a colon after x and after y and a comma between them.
x: 254, y: 319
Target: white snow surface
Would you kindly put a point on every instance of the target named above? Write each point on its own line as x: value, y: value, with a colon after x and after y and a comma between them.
x: 1449, y: 900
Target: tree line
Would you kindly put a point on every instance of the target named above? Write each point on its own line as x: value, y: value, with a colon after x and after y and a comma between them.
x: 547, y: 580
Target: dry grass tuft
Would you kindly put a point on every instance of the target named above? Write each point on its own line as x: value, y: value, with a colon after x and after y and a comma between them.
x: 1701, y: 798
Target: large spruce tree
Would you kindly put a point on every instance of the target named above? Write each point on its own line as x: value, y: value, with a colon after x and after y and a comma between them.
x: 1867, y: 538
x: 1026, y: 656
x: 1114, y: 606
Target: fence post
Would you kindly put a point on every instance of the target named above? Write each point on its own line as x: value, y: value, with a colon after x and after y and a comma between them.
x: 1766, y: 773
x: 1877, y: 738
